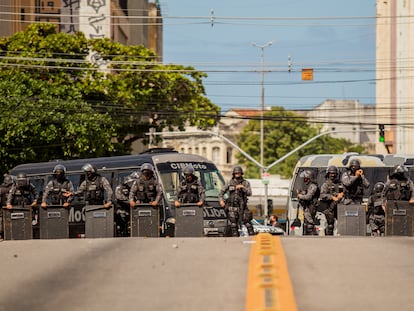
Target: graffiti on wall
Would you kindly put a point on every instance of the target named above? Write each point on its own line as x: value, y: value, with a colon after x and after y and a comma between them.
x: 92, y: 17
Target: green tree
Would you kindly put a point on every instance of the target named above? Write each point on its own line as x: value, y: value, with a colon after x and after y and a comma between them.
x: 284, y: 131
x: 64, y: 96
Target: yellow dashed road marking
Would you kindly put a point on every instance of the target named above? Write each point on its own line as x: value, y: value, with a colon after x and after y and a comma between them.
x: 268, y: 285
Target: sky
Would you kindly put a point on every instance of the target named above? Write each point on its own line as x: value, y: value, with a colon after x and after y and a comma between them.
x: 334, y: 38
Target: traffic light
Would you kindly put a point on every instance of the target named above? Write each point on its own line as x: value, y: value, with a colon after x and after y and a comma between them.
x: 381, y: 133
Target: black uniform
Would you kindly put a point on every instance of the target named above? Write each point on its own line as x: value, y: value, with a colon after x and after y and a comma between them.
x: 236, y: 204
x: 145, y: 190
x: 399, y: 187
x: 54, y: 190
x: 308, y: 199
x: 354, y: 185
x: 4, y: 192
x: 96, y: 190
x: 190, y: 191
x: 22, y: 194
x: 331, y: 194
x: 376, y: 210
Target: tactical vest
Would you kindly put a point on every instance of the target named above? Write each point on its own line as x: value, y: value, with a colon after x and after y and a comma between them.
x: 314, y: 200
x: 237, y: 198
x: 94, y: 193
x: 146, y: 190
x: 356, y: 190
x: 188, y: 192
x: 56, y: 193
x: 334, y: 189
x: 21, y: 196
x: 399, y: 190
x: 377, y: 202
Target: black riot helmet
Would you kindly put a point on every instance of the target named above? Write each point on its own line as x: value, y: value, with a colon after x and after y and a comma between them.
x: 188, y: 172
x: 400, y: 171
x: 307, y: 176
x: 7, y: 180
x: 22, y: 180
x: 129, y: 179
x: 354, y: 165
x: 332, y: 172
x: 59, y: 171
x: 379, y: 187
x: 90, y: 170
x: 147, y: 170
x: 238, y: 170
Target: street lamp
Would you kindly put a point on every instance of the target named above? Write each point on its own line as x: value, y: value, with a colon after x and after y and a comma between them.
x: 262, y: 47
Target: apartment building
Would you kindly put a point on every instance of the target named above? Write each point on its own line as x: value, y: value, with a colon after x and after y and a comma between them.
x: 130, y: 22
x: 395, y: 75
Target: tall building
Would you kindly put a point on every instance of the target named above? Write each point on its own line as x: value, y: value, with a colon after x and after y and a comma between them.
x: 395, y: 75
x: 130, y: 22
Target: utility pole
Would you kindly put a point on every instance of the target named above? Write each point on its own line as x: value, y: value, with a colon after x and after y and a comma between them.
x: 262, y: 107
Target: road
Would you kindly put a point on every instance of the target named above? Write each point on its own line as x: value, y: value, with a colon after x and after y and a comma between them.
x: 326, y: 273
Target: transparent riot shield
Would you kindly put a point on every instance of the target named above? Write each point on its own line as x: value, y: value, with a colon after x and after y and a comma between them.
x: 18, y: 223
x: 189, y: 220
x: 399, y: 218
x: 99, y: 221
x: 145, y: 221
x: 54, y: 222
x: 351, y: 220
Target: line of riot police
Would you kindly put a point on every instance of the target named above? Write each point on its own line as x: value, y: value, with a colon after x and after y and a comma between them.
x: 138, y: 189
x: 340, y: 201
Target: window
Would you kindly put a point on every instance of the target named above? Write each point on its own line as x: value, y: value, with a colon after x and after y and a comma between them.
x: 216, y: 155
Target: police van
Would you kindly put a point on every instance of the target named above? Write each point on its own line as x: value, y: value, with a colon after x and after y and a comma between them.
x: 376, y: 168
x: 168, y: 165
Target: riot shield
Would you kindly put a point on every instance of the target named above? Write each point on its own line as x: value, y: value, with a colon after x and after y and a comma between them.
x: 99, y: 221
x: 54, y: 222
x: 351, y: 220
x: 18, y: 223
x: 189, y: 220
x: 145, y: 221
x: 399, y: 218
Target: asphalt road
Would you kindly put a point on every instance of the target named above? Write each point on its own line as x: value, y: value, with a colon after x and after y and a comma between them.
x: 327, y: 273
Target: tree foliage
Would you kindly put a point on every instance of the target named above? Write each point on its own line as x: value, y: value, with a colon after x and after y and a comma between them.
x: 283, y: 132
x: 65, y: 96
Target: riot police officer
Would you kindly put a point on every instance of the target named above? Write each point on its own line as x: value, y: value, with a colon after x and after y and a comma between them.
x: 376, y: 210
x: 95, y: 189
x: 4, y: 192
x: 308, y: 199
x: 122, y: 209
x: 354, y: 183
x: 22, y: 192
x: 332, y: 192
x: 190, y: 189
x: 59, y: 190
x: 399, y: 185
x: 238, y: 190
x: 145, y: 189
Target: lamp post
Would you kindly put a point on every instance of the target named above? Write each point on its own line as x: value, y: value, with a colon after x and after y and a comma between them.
x: 262, y: 47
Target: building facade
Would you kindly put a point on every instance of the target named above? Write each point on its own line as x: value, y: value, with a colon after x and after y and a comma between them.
x: 351, y: 119
x: 395, y: 75
x: 209, y: 144
x: 130, y: 22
